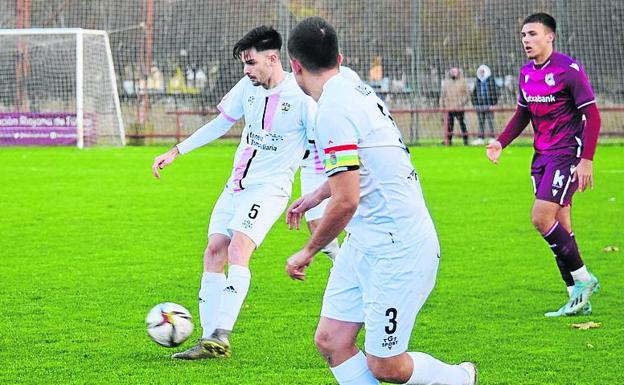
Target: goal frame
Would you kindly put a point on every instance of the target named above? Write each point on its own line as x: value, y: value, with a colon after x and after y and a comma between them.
x: 80, y: 33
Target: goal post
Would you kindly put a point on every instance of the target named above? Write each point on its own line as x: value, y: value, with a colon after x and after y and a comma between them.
x: 59, y: 88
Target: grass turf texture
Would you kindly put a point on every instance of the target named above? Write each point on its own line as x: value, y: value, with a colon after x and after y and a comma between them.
x: 90, y: 242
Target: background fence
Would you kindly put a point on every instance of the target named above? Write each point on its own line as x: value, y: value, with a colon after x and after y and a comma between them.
x: 173, y: 57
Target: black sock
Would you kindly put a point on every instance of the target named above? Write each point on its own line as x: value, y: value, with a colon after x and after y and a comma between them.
x: 564, y: 247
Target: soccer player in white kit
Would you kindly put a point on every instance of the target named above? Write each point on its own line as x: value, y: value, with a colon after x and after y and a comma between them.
x: 387, y: 265
x: 313, y: 175
x: 277, y: 117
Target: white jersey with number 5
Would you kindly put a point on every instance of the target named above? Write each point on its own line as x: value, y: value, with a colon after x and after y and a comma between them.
x: 354, y: 130
x: 274, y: 138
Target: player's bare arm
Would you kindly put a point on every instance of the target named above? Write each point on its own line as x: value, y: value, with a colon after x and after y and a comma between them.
x: 299, y: 207
x: 345, y: 193
x: 163, y: 160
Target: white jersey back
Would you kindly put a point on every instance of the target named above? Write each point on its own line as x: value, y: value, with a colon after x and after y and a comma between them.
x: 354, y: 130
x: 274, y: 138
x: 312, y: 163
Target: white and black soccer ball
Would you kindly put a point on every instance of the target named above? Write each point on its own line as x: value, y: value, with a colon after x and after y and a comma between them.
x: 169, y: 324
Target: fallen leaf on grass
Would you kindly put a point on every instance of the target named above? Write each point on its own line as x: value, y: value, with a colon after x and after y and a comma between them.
x: 587, y: 325
x: 611, y: 249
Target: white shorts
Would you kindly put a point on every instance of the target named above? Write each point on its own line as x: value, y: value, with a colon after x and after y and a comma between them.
x: 384, y: 290
x: 252, y: 211
x: 309, y: 183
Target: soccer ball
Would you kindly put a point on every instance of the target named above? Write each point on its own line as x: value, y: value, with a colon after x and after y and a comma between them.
x: 169, y: 324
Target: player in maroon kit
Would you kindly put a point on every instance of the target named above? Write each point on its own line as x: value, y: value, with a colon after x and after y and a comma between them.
x: 557, y: 98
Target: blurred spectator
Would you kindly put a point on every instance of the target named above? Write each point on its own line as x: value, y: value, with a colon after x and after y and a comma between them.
x: 454, y: 94
x: 195, y: 77
x: 155, y: 80
x: 200, y: 79
x: 375, y: 74
x: 177, y: 82
x: 131, y: 80
x: 484, y: 97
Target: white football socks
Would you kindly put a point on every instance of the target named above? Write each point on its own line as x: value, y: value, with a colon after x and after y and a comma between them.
x: 581, y: 274
x: 210, y: 301
x: 354, y: 371
x: 428, y: 370
x: 234, y: 295
x: 570, y: 290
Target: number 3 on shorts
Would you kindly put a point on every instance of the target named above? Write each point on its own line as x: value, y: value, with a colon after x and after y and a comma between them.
x: 392, y: 314
x: 253, y: 212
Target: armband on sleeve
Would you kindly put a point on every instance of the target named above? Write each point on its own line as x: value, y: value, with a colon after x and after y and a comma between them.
x: 341, y: 158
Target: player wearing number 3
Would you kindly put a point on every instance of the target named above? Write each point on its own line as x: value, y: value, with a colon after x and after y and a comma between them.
x: 278, y: 116
x: 388, y: 263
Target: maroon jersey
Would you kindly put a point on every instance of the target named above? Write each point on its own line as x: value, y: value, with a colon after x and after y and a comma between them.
x: 554, y: 93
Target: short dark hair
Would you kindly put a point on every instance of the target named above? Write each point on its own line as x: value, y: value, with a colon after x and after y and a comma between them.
x: 261, y: 38
x: 542, y: 18
x: 314, y: 43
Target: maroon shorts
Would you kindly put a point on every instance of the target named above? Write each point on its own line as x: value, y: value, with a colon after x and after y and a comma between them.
x: 552, y: 176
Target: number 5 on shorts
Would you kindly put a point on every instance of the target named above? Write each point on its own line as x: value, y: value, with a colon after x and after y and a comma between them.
x: 253, y: 212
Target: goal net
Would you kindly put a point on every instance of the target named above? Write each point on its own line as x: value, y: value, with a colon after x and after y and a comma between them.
x: 58, y: 88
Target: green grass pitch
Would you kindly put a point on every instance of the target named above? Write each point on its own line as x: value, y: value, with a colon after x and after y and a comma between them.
x: 90, y: 241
